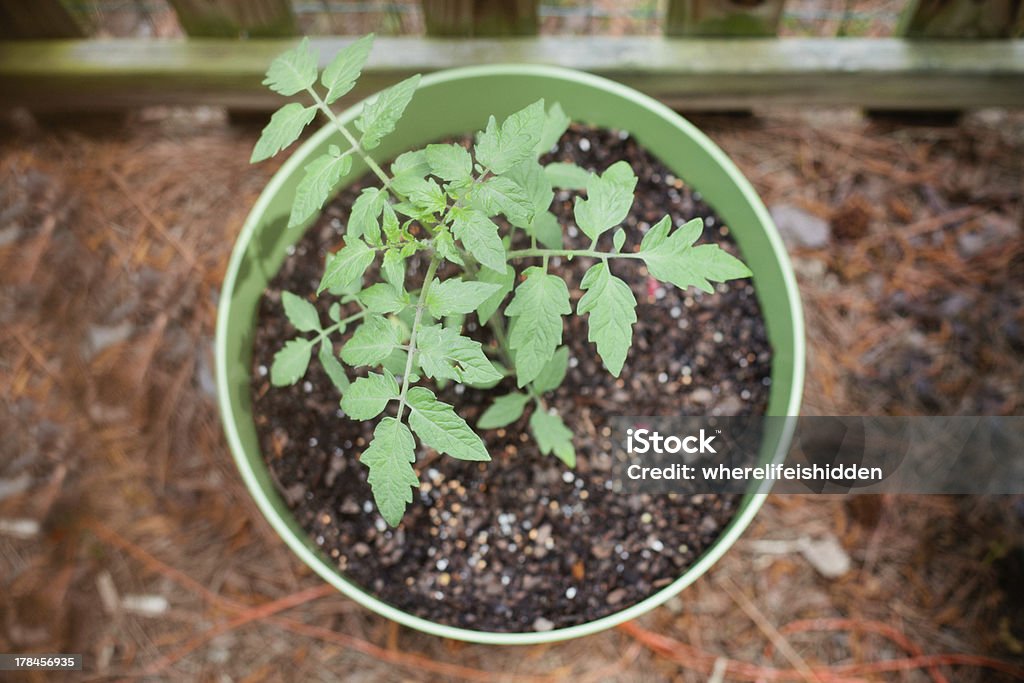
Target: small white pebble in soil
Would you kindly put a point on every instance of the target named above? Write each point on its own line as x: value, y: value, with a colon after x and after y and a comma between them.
x: 570, y: 592
x: 584, y: 144
x: 319, y: 540
x: 709, y: 221
x: 313, y: 442
x: 655, y: 178
x: 656, y: 545
x: 662, y: 377
x: 578, y: 483
x: 573, y: 362
x: 381, y: 525
x: 659, y: 293
x: 567, y: 477
x: 623, y: 134
x: 460, y: 389
x: 438, y: 595
x: 339, y: 413
x: 767, y: 381
x: 542, y: 624
x: 367, y: 507
x: 290, y: 250
x: 745, y: 395
x: 675, y: 312
x: 718, y: 337
x: 262, y: 370
x: 646, y: 518
x: 442, y: 564
x: 505, y: 578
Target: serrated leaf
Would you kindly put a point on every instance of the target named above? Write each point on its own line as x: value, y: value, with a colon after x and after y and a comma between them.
x: 446, y: 354
x: 343, y: 71
x: 567, y: 176
x: 618, y: 239
x: 381, y: 114
x: 291, y: 362
x: 504, y: 411
x: 440, y: 428
x: 503, y: 195
x: 389, y: 457
x: 365, y: 216
x: 426, y: 195
x: 368, y: 396
x: 395, y: 364
x: 553, y: 373
x: 555, y: 124
x: 284, y: 128
x: 537, y: 309
x: 293, y: 70
x: 321, y: 176
x: 383, y: 298
x: 674, y: 259
x: 609, y: 199
x: 480, y: 236
x: 612, y: 309
x: 393, y: 268
x: 445, y: 245
x: 300, y: 313
x: 389, y: 223
x: 449, y: 162
x: 412, y: 163
x: 657, y: 234
x: 372, y: 342
x: 346, y: 266
x: 454, y: 296
x: 332, y: 367
x: 553, y: 436
x: 504, y: 281
x: 500, y: 148
x: 530, y: 176
x: 548, y: 231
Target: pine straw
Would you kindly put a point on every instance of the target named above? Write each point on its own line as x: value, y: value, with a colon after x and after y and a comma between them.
x: 114, y: 247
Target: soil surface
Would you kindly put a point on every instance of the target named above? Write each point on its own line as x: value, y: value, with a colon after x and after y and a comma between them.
x: 522, y: 543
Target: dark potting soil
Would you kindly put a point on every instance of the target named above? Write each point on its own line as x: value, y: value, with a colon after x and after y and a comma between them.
x: 523, y: 543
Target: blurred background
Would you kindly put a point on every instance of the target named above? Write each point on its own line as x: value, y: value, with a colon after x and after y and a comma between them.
x: 885, y: 136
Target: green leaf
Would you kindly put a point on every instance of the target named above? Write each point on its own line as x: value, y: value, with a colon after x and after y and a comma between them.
x: 504, y: 411
x: 372, y: 342
x: 674, y: 259
x: 480, y: 236
x: 389, y: 222
x: 450, y: 162
x: 334, y: 312
x: 553, y: 436
x: 332, y: 367
x: 504, y: 281
x: 503, y: 195
x: 657, y: 234
x: 612, y: 309
x: 446, y: 354
x: 499, y: 149
x: 536, y: 309
x: 454, y: 296
x: 365, y: 216
x: 284, y: 128
x: 609, y: 198
x: 618, y: 239
x: 410, y: 164
x: 548, y: 231
x: 291, y: 362
x: 555, y: 125
x: 383, y: 298
x: 568, y: 176
x: 343, y: 71
x: 440, y: 428
x: 322, y: 174
x: 300, y: 313
x: 346, y: 266
x: 445, y: 245
x: 427, y: 195
x: 368, y: 396
x: 380, y: 115
x: 393, y: 268
x: 530, y: 176
x: 292, y: 71
x: 389, y: 457
x: 550, y: 378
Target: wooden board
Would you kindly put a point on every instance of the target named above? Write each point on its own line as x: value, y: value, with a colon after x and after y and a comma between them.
x: 691, y: 74
x: 723, y: 17
x: 235, y: 18
x: 962, y: 19
x: 480, y: 17
x: 22, y: 20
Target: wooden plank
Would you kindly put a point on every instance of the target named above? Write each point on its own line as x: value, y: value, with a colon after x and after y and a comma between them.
x: 692, y: 74
x: 21, y: 20
x: 962, y: 19
x: 236, y: 18
x: 467, y: 18
x: 723, y: 17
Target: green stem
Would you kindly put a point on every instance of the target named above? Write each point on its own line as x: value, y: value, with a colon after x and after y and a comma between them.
x: 568, y: 253
x: 377, y: 170
x: 435, y: 261
x: 344, y: 321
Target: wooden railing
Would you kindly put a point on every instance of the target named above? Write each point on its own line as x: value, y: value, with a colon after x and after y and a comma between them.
x: 714, y: 54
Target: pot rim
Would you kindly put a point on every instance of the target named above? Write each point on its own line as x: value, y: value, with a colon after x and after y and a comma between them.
x: 735, y: 527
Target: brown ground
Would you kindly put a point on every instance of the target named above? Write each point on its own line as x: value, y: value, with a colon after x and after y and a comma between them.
x: 112, y: 248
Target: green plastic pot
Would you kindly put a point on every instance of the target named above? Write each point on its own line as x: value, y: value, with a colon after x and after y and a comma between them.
x: 454, y: 102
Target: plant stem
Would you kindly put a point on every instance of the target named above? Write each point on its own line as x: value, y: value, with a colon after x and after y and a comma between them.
x: 344, y: 321
x: 377, y: 170
x: 435, y: 261
x: 569, y: 253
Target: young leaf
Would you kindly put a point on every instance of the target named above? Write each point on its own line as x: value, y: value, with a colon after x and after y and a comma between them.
x: 612, y: 309
x: 504, y: 281
x: 284, y: 128
x: 300, y: 313
x: 291, y: 362
x: 410, y: 164
x: 440, y: 428
x: 548, y: 231
x: 568, y: 176
x: 365, y: 216
x: 322, y: 174
x: 368, y: 396
x: 393, y: 269
x: 499, y: 149
x: 553, y: 436
x: 334, y: 313
x: 347, y: 265
x: 292, y: 71
x: 504, y: 411
x: 618, y: 239
x: 536, y: 308
x: 480, y: 235
x: 380, y: 115
x: 529, y: 175
x: 445, y: 245
x: 343, y: 71
x: 503, y: 195
x: 657, y: 234
x: 550, y: 378
x: 449, y: 162
x: 332, y: 367
x: 609, y: 199
x: 383, y: 298
x: 372, y: 342
x: 426, y: 195
x: 446, y: 354
x: 390, y: 456
x: 454, y: 296
x: 674, y: 259
x: 555, y: 124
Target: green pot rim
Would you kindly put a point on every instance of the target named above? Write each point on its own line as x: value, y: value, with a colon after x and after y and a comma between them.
x: 315, y: 560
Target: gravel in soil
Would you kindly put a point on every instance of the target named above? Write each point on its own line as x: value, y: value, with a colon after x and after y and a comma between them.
x: 522, y: 543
